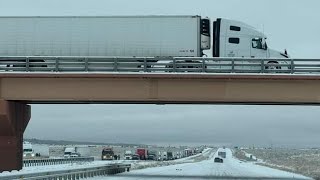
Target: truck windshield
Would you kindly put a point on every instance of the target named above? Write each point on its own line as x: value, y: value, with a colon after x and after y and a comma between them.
x: 107, y: 152
x: 27, y: 150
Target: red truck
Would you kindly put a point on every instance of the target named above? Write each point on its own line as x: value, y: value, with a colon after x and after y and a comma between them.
x: 143, y: 153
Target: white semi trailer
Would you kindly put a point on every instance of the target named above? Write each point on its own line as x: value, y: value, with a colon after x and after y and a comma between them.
x: 131, y: 36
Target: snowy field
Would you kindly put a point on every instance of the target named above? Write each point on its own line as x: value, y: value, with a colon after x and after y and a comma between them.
x: 206, y: 169
x: 304, y: 161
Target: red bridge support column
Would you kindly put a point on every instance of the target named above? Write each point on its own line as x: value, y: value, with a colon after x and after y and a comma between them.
x: 14, y: 118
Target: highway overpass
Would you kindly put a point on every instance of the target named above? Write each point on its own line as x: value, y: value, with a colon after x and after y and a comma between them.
x: 160, y: 88
x: 22, y: 85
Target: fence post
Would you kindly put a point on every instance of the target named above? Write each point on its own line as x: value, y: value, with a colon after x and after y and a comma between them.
x: 262, y: 65
x: 203, y: 65
x: 232, y: 65
x: 292, y: 66
x: 115, y: 66
x: 57, y: 65
x: 145, y: 65
x: 86, y: 64
x: 27, y: 64
x: 174, y: 65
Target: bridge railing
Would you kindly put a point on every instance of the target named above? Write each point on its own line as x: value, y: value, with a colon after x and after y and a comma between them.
x: 157, y: 65
x: 71, y: 174
x: 44, y: 162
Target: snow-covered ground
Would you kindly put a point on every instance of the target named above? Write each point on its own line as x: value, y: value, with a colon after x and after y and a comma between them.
x: 36, y: 169
x: 197, y: 167
x: 134, y: 164
x: 205, y: 169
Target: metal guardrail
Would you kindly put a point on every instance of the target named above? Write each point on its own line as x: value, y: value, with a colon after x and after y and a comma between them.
x: 44, y: 162
x: 81, y: 173
x: 157, y: 65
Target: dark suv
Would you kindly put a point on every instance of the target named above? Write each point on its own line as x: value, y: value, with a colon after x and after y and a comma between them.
x: 218, y: 160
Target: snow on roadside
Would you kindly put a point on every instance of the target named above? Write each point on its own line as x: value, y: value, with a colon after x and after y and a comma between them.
x: 195, y: 158
x: 134, y: 164
x: 230, y: 168
x: 50, y: 168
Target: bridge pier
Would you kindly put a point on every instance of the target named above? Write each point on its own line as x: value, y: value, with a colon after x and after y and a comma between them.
x: 14, y: 118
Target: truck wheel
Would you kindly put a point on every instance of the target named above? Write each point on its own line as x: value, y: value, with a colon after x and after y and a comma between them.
x: 170, y: 67
x: 8, y: 66
x: 273, y: 65
x: 11, y: 65
x: 23, y: 66
x: 198, y: 66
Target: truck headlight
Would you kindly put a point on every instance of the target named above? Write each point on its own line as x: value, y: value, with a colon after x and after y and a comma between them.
x: 104, y: 157
x: 32, y: 155
x: 24, y: 155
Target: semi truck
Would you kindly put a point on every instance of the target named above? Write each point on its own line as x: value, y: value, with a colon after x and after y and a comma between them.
x: 71, y: 152
x: 164, y: 156
x: 132, y: 36
x: 28, y: 151
x: 152, y: 155
x: 107, y: 154
x: 222, y: 154
x: 128, y: 155
x: 142, y: 153
x: 188, y: 152
x: 170, y: 155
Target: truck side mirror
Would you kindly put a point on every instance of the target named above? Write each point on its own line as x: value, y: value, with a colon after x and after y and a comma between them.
x: 264, y: 44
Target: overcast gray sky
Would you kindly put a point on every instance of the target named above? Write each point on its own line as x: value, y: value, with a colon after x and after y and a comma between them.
x: 175, y: 124
x: 291, y: 24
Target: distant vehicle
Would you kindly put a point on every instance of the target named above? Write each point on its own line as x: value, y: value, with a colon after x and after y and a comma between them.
x: 71, y: 152
x: 143, y: 153
x: 135, y: 157
x: 107, y: 154
x: 28, y: 150
x: 196, y: 151
x: 151, y: 157
x: 159, y: 158
x: 128, y: 155
x: 169, y: 155
x: 218, y: 160
x: 179, y: 155
x: 164, y: 156
x: 222, y: 154
x: 188, y: 152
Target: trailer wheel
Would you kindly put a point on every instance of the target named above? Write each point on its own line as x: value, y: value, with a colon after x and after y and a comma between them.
x: 24, y: 66
x: 148, y: 66
x: 273, y: 65
x: 197, y: 66
x: 13, y: 64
